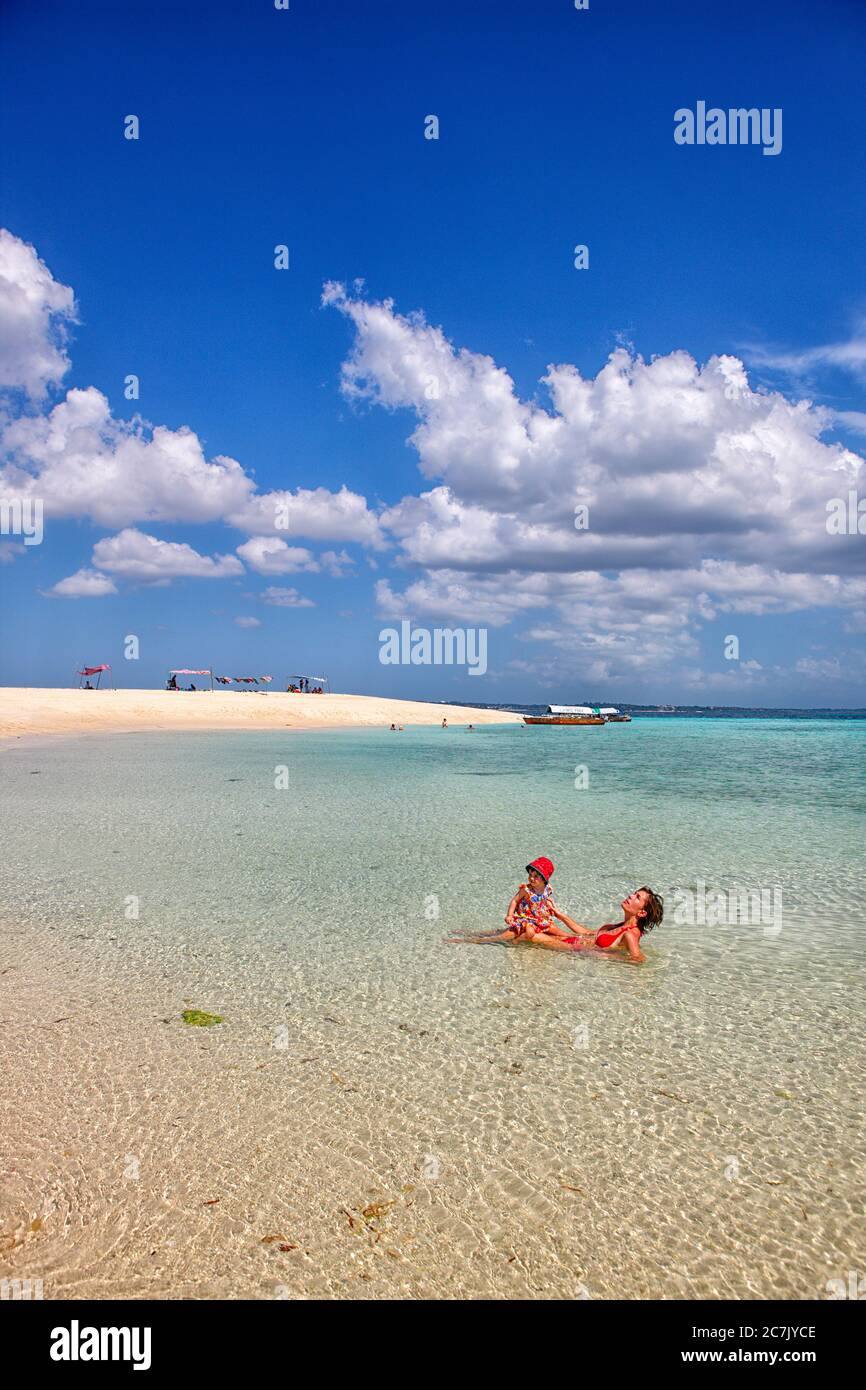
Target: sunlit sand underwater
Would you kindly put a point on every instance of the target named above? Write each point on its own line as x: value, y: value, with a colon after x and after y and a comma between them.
x: 381, y: 1114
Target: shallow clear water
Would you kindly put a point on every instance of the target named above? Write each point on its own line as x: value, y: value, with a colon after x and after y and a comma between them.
x: 545, y: 1125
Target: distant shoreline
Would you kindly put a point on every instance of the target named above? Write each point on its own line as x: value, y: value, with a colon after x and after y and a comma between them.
x: 26, y: 711
x: 707, y: 711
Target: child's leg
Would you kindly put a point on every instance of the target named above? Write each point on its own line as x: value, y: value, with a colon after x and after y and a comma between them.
x: 470, y: 932
x: 553, y: 930
x: 481, y: 938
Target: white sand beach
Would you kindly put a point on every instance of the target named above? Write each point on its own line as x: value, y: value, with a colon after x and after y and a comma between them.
x: 27, y: 710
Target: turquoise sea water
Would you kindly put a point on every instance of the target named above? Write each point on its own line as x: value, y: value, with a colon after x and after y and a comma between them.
x: 707, y: 1104
x: 369, y: 824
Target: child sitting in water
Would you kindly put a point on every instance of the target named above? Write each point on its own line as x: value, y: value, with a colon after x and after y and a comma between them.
x: 532, y: 910
x: 531, y: 913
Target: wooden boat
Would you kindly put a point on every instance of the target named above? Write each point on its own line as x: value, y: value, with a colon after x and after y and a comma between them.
x: 615, y: 716
x: 566, y: 714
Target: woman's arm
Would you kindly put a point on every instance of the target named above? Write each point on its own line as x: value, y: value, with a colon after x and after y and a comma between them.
x: 576, y: 927
x: 551, y: 929
x: 632, y: 945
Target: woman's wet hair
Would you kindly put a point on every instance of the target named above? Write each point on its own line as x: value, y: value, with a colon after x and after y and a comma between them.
x: 654, y: 910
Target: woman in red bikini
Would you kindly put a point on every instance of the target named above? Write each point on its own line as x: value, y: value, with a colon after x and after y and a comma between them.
x: 643, y: 909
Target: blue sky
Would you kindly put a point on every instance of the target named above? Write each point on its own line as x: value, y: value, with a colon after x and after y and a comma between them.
x: 707, y: 488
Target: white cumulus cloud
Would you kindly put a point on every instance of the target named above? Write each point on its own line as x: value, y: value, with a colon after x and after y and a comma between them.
x: 270, y: 555
x: 35, y: 310
x: 310, y: 514
x: 83, y: 462
x: 135, y: 555
x: 285, y: 598
x: 85, y: 583
x: 702, y: 495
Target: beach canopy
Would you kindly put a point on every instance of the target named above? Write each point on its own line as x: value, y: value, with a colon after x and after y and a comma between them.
x: 188, y: 671
x: 97, y: 671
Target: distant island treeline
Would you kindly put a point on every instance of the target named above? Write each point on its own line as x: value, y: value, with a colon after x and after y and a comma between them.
x: 693, y: 711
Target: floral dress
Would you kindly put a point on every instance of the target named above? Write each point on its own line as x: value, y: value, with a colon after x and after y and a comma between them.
x: 534, y: 908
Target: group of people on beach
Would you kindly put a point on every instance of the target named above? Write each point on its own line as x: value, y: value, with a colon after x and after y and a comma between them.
x: 533, y: 917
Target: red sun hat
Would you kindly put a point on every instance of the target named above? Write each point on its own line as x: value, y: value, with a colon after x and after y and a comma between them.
x: 544, y: 867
